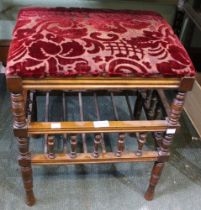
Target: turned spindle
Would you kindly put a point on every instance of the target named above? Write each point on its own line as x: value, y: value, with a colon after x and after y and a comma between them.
x: 141, y: 139
x: 97, y: 142
x: 120, y: 145
x: 158, y: 137
x: 73, y: 142
x: 166, y: 142
x: 50, y: 144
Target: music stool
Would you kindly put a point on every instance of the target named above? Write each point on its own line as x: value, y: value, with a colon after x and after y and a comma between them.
x: 77, y: 52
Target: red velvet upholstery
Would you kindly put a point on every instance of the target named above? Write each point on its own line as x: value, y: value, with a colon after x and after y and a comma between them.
x: 69, y: 42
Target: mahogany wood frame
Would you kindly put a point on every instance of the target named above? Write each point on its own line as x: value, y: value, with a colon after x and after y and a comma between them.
x: 22, y: 128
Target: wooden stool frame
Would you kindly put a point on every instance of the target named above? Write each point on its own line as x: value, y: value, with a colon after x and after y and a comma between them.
x: 23, y: 127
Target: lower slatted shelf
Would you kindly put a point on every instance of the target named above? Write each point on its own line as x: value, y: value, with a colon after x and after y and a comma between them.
x: 147, y: 113
x: 88, y: 158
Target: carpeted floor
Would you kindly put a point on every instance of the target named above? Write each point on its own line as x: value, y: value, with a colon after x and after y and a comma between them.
x: 107, y: 186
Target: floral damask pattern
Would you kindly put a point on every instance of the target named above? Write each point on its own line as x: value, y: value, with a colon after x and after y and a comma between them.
x: 84, y: 42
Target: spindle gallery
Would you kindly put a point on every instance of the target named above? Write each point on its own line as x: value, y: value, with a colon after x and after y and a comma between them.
x: 65, y: 52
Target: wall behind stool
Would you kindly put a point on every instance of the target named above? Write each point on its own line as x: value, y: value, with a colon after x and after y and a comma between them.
x: 165, y: 7
x: 2, y: 6
x: 11, y: 7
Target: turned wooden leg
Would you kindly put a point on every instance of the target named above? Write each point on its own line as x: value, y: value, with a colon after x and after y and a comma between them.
x: 24, y: 158
x: 34, y: 115
x: 155, y: 175
x: 176, y: 108
x: 173, y: 119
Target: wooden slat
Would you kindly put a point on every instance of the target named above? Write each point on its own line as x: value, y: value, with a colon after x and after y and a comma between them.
x: 87, y: 158
x: 98, y: 118
x: 47, y: 101
x: 114, y: 106
x: 82, y: 119
x: 97, y: 83
x: 88, y: 127
x: 121, y: 137
x: 64, y: 118
x: 138, y: 153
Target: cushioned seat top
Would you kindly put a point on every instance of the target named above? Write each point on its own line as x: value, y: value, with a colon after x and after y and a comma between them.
x: 83, y: 42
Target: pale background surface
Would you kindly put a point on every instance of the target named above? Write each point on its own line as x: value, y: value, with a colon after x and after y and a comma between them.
x: 11, y: 8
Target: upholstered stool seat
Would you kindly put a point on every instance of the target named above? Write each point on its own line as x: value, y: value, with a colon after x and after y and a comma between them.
x: 87, y: 53
x: 84, y: 42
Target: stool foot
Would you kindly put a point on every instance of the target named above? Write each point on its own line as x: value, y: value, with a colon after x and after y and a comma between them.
x: 28, y: 185
x: 30, y: 198
x: 155, y: 175
x: 149, y: 195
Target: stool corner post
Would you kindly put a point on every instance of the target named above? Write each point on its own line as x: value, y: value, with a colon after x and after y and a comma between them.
x: 186, y: 84
x: 14, y: 84
x: 18, y: 105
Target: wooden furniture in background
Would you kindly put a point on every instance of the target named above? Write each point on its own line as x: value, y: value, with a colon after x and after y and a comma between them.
x: 192, y: 104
